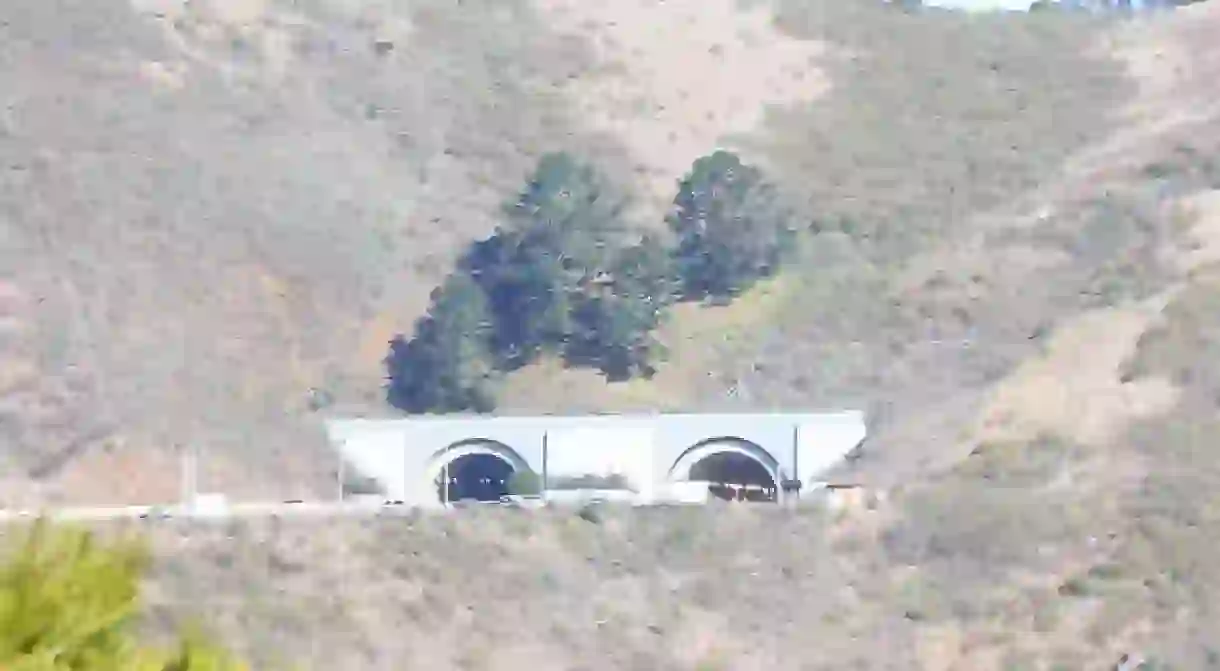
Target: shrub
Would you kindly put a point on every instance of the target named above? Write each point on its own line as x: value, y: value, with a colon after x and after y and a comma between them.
x: 731, y: 227
x: 69, y: 603
x: 616, y: 320
x: 525, y: 483
x: 559, y: 237
x: 538, y: 285
x: 591, y: 513
x: 357, y: 483
x: 447, y: 366
x: 593, y: 481
x: 559, y: 278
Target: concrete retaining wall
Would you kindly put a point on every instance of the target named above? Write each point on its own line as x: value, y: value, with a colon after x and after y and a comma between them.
x: 406, y: 456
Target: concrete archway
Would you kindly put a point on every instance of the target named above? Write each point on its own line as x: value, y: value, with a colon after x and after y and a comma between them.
x: 734, y: 468
x: 477, y: 469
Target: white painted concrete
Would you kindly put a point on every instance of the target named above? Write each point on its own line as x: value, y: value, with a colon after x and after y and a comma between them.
x: 626, y: 451
x: 405, y: 455
x: 823, y: 444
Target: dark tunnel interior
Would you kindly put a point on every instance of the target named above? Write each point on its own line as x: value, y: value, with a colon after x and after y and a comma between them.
x: 478, y: 477
x: 735, y: 477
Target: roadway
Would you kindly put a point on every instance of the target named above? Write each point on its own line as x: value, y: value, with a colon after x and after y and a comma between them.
x: 217, y: 508
x: 235, y: 510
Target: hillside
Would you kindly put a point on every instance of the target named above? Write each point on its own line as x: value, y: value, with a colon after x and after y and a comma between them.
x: 216, y: 207
x: 217, y: 212
x: 244, y: 201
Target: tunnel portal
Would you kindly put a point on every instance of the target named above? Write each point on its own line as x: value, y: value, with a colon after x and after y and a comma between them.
x: 733, y: 476
x: 477, y: 477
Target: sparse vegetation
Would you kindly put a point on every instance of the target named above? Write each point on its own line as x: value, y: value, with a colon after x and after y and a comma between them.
x: 591, y: 481
x: 954, y: 200
x: 355, y: 482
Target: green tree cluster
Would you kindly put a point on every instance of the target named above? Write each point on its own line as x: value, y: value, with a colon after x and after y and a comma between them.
x: 563, y: 276
x: 447, y: 363
x: 731, y: 225
x: 70, y: 603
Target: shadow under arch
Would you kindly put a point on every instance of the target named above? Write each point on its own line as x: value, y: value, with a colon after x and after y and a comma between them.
x: 735, y: 468
x: 476, y: 468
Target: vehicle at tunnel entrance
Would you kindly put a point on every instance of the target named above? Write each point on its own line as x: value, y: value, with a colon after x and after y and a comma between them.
x: 736, y: 476
x: 439, y: 460
x: 478, y: 477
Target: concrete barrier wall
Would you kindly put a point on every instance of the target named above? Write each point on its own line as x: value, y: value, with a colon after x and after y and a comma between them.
x: 647, y: 451
x: 824, y: 442
x: 603, y: 450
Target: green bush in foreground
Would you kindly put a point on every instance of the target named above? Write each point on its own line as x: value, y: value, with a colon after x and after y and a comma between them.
x: 69, y: 602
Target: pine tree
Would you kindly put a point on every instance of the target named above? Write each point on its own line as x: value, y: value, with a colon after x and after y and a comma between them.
x: 559, y: 234
x: 447, y: 366
x: 620, y: 312
x: 731, y: 227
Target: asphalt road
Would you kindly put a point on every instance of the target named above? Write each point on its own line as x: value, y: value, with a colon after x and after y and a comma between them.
x: 224, y: 510
x: 175, y: 511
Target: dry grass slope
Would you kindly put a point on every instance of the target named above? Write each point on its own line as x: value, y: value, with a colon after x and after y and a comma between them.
x: 238, y: 206
x: 1011, y: 261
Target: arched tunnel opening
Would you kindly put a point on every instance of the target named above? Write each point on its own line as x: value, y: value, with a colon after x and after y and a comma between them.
x: 736, y: 477
x: 477, y: 477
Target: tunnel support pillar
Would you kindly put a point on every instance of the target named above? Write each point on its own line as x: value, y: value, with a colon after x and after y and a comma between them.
x: 544, y: 476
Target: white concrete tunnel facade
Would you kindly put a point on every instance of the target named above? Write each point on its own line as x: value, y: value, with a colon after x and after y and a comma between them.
x: 407, y: 456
